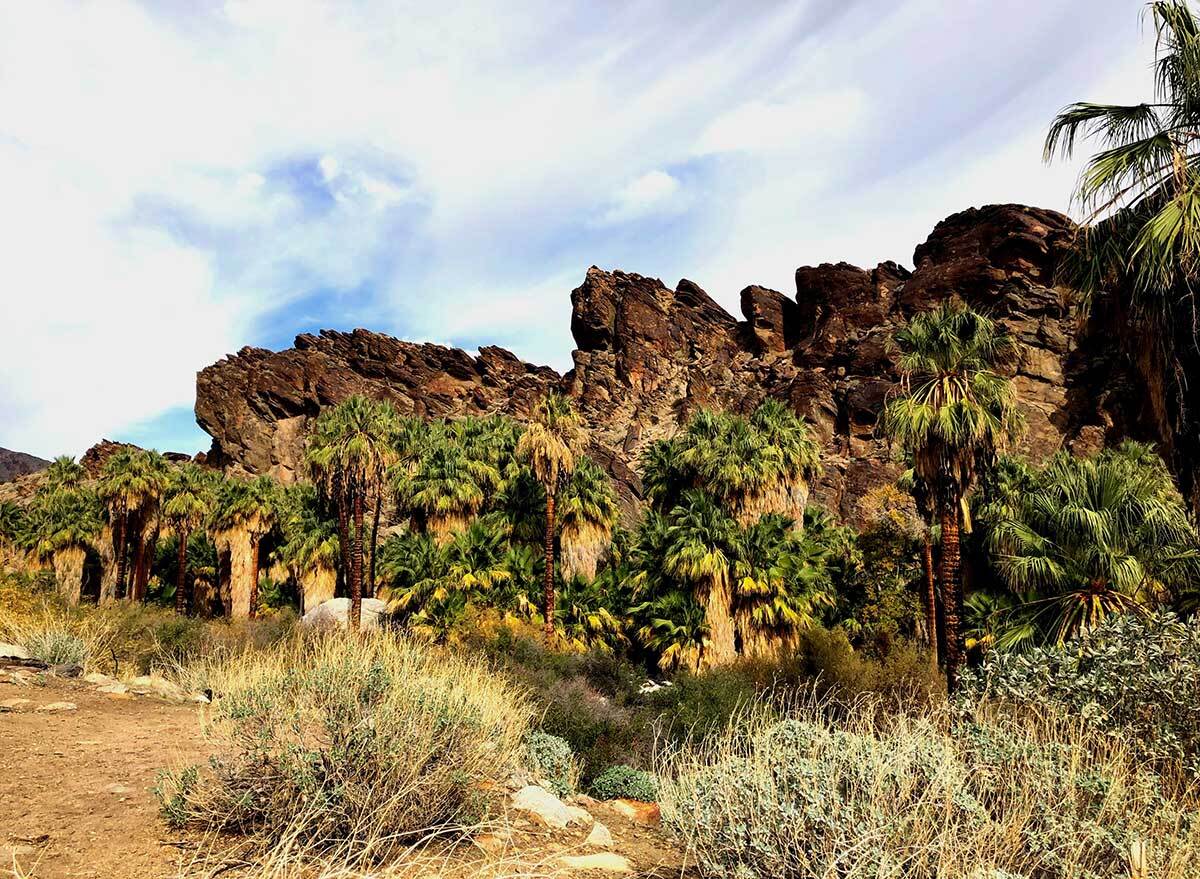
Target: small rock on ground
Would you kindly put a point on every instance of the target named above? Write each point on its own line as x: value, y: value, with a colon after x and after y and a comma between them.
x: 607, y: 861
x: 58, y: 706
x: 15, y: 704
x: 579, y: 816
x: 600, y: 837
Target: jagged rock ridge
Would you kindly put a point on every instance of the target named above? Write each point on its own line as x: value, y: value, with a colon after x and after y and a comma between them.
x: 649, y: 356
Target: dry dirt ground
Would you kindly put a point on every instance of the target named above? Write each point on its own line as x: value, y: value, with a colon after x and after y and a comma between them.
x: 75, y: 786
x: 76, y: 797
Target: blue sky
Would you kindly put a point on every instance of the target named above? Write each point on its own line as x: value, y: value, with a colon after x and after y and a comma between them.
x: 181, y: 179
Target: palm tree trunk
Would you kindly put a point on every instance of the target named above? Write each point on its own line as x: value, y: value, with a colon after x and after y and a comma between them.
x: 548, y: 606
x: 931, y: 617
x: 375, y: 541
x: 951, y: 582
x: 722, y: 630
x: 68, y: 572
x: 343, y: 513
x: 356, y: 575
x: 254, y: 541
x: 122, y: 554
x: 137, y: 587
x: 181, y: 596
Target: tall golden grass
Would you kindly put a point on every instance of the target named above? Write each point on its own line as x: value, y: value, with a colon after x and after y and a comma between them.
x: 926, y: 796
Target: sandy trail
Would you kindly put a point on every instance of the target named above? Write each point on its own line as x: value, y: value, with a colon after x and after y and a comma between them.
x: 75, y: 786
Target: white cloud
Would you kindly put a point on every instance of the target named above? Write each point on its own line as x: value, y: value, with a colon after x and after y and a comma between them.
x: 172, y: 173
x: 655, y: 193
x: 821, y: 120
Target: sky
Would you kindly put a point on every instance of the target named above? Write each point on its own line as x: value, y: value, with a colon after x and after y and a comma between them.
x: 181, y: 178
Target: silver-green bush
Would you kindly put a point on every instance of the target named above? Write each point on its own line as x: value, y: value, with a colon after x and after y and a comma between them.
x: 917, y: 798
x: 1132, y: 678
x: 345, y: 741
x: 551, y: 760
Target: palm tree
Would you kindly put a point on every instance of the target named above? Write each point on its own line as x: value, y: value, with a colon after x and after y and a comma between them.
x: 923, y: 499
x: 589, y: 515
x: 755, y: 465
x: 60, y: 526
x: 12, y: 519
x: 432, y: 586
x: 952, y: 413
x: 702, y: 550
x: 663, y: 480
x: 64, y: 472
x: 129, y: 485
x: 782, y: 579
x: 795, y: 455
x: 187, y: 504
x: 675, y: 628
x: 551, y: 445
x: 351, y: 450
x: 1139, y: 247
x: 310, y: 550
x: 586, y: 618
x: 1096, y: 536
x: 445, y: 489
x: 246, y: 511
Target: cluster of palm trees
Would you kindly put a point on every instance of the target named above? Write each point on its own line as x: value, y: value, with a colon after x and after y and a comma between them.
x: 470, y: 497
x: 722, y: 566
x: 450, y: 518
x: 1078, y: 539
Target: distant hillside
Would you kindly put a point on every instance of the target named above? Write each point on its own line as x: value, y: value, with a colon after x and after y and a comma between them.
x: 14, y: 464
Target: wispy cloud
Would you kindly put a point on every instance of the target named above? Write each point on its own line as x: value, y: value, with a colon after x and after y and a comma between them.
x: 183, y: 179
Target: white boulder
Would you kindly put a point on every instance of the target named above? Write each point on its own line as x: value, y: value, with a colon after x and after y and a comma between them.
x: 543, y: 805
x: 13, y: 651
x: 336, y: 613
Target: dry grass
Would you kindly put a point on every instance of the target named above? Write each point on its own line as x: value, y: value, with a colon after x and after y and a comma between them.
x: 55, y: 635
x: 341, y: 749
x: 925, y: 797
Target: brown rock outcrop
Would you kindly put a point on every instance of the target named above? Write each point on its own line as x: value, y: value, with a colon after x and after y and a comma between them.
x: 257, y: 404
x: 649, y: 356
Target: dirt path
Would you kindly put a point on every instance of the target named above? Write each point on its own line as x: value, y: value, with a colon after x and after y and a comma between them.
x: 75, y: 796
x: 76, y: 800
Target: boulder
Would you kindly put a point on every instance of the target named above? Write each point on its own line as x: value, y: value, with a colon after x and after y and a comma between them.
x: 13, y: 651
x: 546, y: 807
x: 335, y: 613
x: 647, y: 814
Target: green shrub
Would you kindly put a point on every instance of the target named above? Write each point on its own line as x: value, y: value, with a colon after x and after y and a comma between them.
x: 1136, y: 679
x: 551, y: 761
x: 625, y: 782
x: 697, y: 706
x: 916, y: 797
x: 349, y: 742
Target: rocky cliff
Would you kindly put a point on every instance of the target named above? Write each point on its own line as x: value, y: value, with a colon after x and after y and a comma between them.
x: 648, y: 356
x: 14, y: 464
